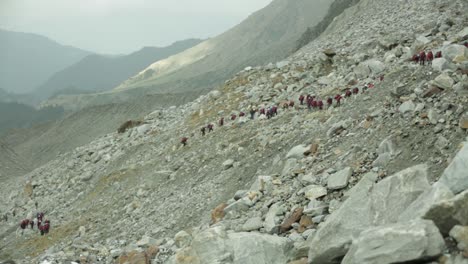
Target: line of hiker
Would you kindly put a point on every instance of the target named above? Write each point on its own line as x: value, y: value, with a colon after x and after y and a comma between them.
x: 312, y: 102
x: 42, y: 225
x: 422, y: 56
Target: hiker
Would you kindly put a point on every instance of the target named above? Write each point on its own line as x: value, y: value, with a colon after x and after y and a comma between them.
x: 329, y: 102
x: 348, y: 93
x: 291, y: 103
x: 422, y: 58
x: 438, y: 55
x: 210, y: 127
x: 31, y: 224
x: 320, y: 104
x: 301, y: 99
x: 46, y: 226
x: 221, y: 121
x: 466, y: 44
x: 184, y: 141
x: 241, y: 114
x: 262, y: 111
x: 233, y: 117
x: 203, y: 130
x: 40, y: 215
x: 24, y: 223
x: 430, y: 57
x: 370, y: 85
x: 252, y: 113
x: 268, y: 113
x: 274, y: 110
x: 285, y: 105
x: 355, y: 90
x: 338, y: 99
x: 381, y: 78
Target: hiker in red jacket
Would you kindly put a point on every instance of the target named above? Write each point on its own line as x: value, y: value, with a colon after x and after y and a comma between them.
x: 184, y: 141
x: 291, y: 103
x: 274, y: 109
x: 466, y: 44
x: 348, y: 93
x: 438, y: 55
x: 241, y: 114
x: 329, y: 102
x: 210, y: 127
x: 203, y: 130
x: 301, y: 99
x: 415, y: 58
x: 355, y: 90
x: 262, y: 111
x: 430, y: 57
x: 233, y: 117
x: 23, y: 224
x: 422, y: 58
x: 221, y: 121
x: 320, y: 104
x: 338, y: 99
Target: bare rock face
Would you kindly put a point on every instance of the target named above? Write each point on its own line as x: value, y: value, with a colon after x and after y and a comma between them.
x: 369, y: 205
x: 215, y: 245
x: 456, y: 176
x: 395, y: 243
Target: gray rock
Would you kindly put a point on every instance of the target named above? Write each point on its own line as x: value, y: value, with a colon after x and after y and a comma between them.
x: 396, y: 243
x: 448, y: 213
x: 143, y: 129
x: 443, y: 81
x: 382, y: 160
x: 455, y: 176
x: 315, y: 208
x: 272, y: 220
x: 460, y: 234
x: 387, y: 146
x: 215, y: 245
x: 182, y: 239
x: 441, y: 64
x: 298, y: 152
x: 368, y: 205
x: 450, y: 52
x: 340, y: 179
x: 228, y: 164
x: 463, y: 34
x: 407, y: 106
x: 438, y: 192
x: 314, y: 191
x: 253, y: 224
x: 146, y: 241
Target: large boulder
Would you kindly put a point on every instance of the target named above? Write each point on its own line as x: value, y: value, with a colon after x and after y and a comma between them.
x: 443, y: 81
x: 455, y: 176
x: 298, y: 152
x: 441, y: 64
x: 340, y: 179
x: 369, y: 204
x: 407, y: 107
x: 463, y: 34
x: 215, y: 245
x: 364, y: 69
x: 450, y: 52
x: 438, y: 192
x: 397, y: 243
x: 448, y: 213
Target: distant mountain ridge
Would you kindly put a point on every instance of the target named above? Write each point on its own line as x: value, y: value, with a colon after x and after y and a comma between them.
x: 27, y: 60
x: 96, y: 73
x: 268, y: 35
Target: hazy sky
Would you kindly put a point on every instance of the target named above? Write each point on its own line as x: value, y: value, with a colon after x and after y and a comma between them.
x: 122, y: 26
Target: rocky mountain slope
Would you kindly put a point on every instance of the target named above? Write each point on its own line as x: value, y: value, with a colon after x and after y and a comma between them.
x: 266, y: 36
x: 97, y: 73
x: 20, y: 55
x: 380, y: 178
